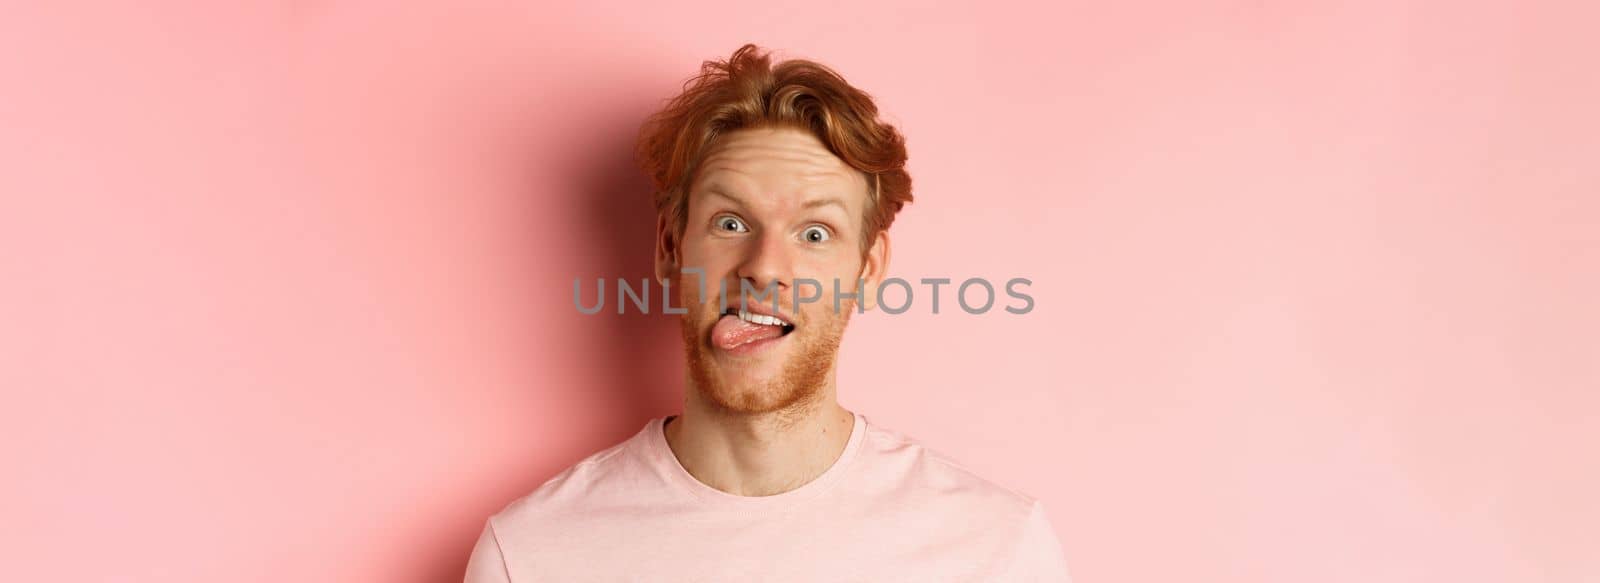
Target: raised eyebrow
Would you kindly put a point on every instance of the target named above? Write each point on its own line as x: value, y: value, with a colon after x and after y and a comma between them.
x: 713, y: 191
x: 821, y: 202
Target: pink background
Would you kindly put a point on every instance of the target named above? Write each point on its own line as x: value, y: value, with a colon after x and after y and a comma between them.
x: 287, y: 285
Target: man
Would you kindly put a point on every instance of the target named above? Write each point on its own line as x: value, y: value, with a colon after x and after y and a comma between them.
x: 768, y: 177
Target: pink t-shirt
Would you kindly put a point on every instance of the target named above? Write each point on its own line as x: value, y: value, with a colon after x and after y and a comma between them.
x: 888, y: 509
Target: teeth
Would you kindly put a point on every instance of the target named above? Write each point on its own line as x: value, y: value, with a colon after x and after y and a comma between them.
x: 762, y: 319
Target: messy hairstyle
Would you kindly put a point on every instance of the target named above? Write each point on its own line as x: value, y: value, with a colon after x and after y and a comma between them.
x: 748, y: 91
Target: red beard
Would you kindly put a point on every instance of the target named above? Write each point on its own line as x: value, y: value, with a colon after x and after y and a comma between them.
x: 798, y: 386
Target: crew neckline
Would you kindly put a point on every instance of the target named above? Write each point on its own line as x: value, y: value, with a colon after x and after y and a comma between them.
x: 675, y: 471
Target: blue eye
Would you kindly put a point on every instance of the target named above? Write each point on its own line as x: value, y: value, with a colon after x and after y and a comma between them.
x: 731, y: 224
x: 816, y: 234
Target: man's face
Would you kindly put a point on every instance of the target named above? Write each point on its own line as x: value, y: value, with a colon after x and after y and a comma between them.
x: 771, y: 208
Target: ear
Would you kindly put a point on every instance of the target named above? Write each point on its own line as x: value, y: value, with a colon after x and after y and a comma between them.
x: 873, y: 267
x: 667, y: 255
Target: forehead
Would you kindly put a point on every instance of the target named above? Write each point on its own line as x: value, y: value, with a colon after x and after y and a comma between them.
x: 777, y: 163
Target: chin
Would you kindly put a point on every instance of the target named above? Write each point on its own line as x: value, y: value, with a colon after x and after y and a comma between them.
x: 754, y: 385
x: 751, y: 384
x: 746, y: 399
x: 766, y: 376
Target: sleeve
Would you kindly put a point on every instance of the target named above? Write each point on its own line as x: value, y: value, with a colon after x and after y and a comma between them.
x: 487, y: 565
x: 1039, y: 557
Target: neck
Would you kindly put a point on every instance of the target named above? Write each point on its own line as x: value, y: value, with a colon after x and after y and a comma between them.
x: 759, y: 454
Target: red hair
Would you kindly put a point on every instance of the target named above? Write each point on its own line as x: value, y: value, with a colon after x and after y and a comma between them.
x: 748, y: 91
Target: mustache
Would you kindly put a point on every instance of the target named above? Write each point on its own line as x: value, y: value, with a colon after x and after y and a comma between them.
x: 772, y: 303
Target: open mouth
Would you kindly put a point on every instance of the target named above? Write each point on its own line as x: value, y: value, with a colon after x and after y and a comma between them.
x: 760, y: 319
x: 741, y: 331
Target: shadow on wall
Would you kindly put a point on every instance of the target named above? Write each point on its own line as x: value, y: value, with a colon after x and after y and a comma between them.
x: 640, y: 368
x: 632, y: 362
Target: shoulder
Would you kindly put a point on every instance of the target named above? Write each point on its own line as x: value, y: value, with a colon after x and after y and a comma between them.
x: 985, y: 517
x: 582, y: 482
x: 937, y: 478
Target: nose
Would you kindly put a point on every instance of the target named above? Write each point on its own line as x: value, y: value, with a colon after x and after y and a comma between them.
x: 768, y: 262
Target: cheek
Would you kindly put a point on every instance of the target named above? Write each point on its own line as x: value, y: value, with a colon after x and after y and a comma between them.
x: 715, y: 264
x: 841, y: 263
x: 708, y: 257
x: 824, y: 271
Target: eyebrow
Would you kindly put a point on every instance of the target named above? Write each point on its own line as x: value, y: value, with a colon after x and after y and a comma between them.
x: 821, y: 202
x: 715, y: 190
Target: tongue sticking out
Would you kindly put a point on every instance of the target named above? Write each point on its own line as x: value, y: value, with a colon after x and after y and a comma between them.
x: 731, y: 332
